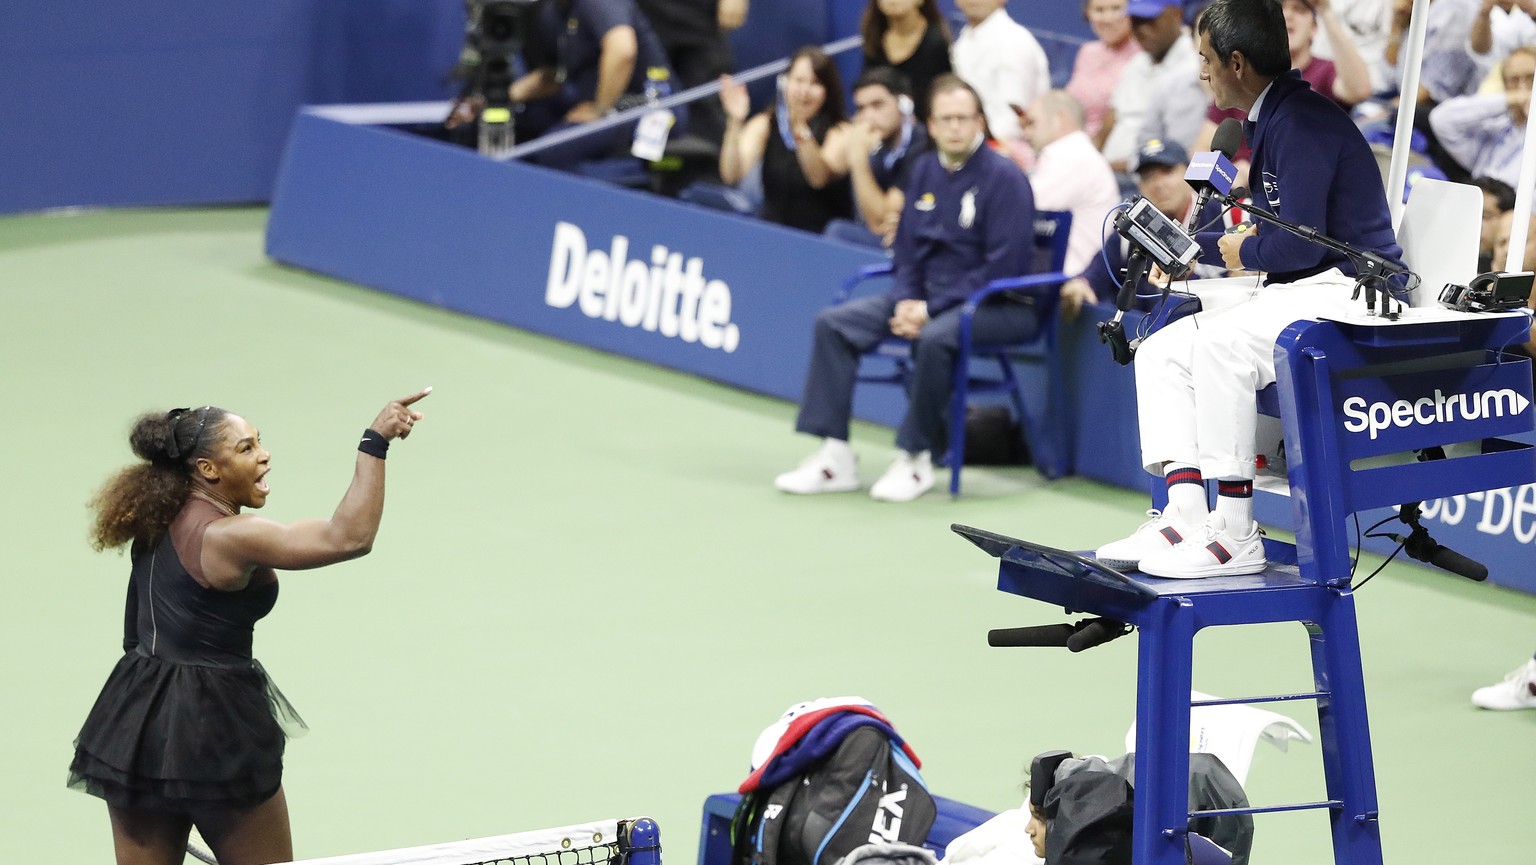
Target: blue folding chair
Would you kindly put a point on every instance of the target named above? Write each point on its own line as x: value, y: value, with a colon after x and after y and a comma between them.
x: 1045, y: 429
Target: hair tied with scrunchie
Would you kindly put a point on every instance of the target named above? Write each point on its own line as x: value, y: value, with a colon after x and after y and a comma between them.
x: 172, y: 417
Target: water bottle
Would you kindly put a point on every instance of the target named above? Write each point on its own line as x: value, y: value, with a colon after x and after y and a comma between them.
x: 496, y: 131
x: 655, y: 78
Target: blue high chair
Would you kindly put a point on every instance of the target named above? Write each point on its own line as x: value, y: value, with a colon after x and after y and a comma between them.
x: 1351, y: 396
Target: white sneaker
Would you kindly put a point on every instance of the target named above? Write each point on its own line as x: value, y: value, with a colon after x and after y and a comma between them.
x: 1163, y: 532
x: 1517, y: 691
x: 829, y: 470
x: 1210, y: 551
x: 909, y: 476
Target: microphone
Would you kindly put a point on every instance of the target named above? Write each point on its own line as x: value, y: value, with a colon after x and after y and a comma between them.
x: 1211, y: 172
x: 1419, y: 545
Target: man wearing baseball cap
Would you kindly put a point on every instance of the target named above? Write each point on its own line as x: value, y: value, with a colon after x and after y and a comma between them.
x: 1159, y: 93
x: 1160, y: 167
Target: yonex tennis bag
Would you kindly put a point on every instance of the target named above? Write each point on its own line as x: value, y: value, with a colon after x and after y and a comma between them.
x: 866, y: 791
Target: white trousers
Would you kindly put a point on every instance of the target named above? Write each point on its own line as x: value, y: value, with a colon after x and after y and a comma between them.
x: 1196, y: 378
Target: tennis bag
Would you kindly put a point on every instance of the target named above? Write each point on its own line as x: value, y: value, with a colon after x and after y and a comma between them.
x: 865, y: 792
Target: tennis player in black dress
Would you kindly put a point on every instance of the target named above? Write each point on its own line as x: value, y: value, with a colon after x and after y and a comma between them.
x: 188, y: 729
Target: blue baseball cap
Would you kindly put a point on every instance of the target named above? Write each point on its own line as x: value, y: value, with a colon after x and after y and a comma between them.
x: 1150, y: 8
x: 1160, y: 152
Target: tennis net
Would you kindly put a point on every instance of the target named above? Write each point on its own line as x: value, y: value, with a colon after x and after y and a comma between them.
x: 604, y: 842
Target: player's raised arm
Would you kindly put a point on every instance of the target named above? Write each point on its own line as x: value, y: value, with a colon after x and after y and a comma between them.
x: 233, y: 548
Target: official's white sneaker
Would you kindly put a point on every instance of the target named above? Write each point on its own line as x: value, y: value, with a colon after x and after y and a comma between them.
x: 1517, y: 691
x: 909, y: 476
x: 1210, y: 551
x: 832, y: 469
x: 1163, y: 532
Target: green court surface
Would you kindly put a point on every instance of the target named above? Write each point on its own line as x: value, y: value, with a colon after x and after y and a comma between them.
x: 587, y: 600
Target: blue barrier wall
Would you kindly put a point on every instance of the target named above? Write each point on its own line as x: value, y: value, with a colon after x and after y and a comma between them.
x: 178, y: 101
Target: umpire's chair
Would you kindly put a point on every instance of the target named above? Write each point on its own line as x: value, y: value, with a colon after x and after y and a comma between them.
x: 1044, y: 429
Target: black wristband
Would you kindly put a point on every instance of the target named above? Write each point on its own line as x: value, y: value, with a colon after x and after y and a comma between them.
x: 373, y: 444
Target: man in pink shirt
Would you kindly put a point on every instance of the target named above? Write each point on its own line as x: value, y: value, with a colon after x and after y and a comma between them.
x: 1069, y: 173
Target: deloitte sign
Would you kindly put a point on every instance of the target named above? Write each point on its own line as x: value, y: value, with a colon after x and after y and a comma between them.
x: 667, y: 295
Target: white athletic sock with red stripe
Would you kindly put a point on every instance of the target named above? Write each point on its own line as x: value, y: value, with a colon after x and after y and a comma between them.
x: 1234, y: 504
x: 1186, y: 492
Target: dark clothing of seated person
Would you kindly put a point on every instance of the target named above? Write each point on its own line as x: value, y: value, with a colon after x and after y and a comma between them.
x: 797, y: 143
x: 913, y: 41
x: 964, y: 224
x: 694, y: 35
x: 885, y: 139
x: 586, y: 60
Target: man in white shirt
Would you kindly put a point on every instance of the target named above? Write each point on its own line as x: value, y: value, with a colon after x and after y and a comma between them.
x: 998, y: 57
x: 1070, y: 173
x: 1159, y: 93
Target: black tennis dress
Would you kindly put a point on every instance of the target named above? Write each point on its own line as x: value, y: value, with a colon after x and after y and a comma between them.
x: 187, y: 719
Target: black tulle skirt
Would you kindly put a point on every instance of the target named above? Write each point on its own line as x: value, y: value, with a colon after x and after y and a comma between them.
x: 179, y: 737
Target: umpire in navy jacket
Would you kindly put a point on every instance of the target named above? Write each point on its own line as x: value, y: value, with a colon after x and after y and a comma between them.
x: 1195, y: 379
x: 967, y: 220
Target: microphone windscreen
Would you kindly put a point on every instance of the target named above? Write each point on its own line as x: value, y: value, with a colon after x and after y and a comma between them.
x: 1239, y: 192
x: 1228, y: 137
x: 1458, y: 564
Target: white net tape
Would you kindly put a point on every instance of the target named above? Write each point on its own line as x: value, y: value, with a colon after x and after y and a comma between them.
x: 582, y: 844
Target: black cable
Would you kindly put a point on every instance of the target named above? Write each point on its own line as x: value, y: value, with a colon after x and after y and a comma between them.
x: 1383, y: 567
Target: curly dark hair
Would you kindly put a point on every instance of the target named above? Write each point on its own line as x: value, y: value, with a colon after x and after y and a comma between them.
x: 138, y: 503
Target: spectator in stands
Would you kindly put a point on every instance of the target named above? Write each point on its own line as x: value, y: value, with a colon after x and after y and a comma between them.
x: 1366, y: 23
x: 693, y: 33
x: 909, y: 36
x: 798, y: 142
x: 1159, y: 94
x: 1070, y: 173
x: 964, y: 224
x: 1502, y: 230
x: 1483, y: 134
x: 1160, y: 168
x: 1498, y: 199
x: 1500, y: 27
x: 1099, y: 63
x: 587, y: 59
x: 1002, y: 60
x: 885, y: 140
x: 1447, y: 68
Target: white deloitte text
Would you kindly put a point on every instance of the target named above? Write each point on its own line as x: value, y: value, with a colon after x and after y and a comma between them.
x: 669, y: 296
x: 1427, y: 411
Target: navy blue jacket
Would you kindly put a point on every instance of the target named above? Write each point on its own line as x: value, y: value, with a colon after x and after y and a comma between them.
x: 1311, y: 167
x: 961, y: 230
